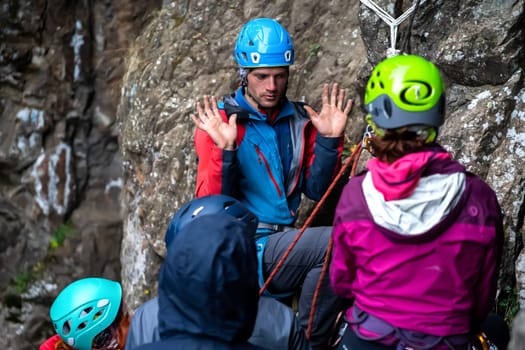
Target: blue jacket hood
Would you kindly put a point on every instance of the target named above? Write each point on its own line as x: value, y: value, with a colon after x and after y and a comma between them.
x: 208, y: 282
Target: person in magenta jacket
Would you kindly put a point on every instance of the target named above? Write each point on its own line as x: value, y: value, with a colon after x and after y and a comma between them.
x: 267, y: 151
x: 417, y: 238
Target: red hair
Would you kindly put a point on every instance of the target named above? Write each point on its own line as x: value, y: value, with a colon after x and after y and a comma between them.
x: 394, y: 144
x: 122, y: 333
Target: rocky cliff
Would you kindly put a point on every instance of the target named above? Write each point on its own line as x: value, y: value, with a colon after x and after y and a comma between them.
x: 61, y: 69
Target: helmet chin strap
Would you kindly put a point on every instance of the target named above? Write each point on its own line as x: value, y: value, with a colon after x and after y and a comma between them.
x: 247, y: 93
x: 243, y: 72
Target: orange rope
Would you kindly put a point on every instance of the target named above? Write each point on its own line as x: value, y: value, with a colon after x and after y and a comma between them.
x: 354, y: 157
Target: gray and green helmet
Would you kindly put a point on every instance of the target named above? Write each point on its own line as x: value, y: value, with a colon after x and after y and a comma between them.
x: 405, y: 90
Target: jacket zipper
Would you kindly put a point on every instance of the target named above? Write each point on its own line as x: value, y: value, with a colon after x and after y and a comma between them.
x: 261, y: 156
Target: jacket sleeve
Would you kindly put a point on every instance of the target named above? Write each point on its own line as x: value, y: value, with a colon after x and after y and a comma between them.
x: 50, y: 343
x: 217, y: 169
x: 342, y: 272
x: 323, y: 161
x: 144, y: 325
x: 486, y: 288
x: 342, y: 266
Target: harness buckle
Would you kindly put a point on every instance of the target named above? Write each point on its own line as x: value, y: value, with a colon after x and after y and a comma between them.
x: 273, y: 227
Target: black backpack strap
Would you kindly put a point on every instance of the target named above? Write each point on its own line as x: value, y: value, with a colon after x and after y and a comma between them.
x: 232, y: 107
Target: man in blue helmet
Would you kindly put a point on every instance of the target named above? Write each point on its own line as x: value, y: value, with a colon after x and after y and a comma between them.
x: 276, y: 326
x: 266, y: 151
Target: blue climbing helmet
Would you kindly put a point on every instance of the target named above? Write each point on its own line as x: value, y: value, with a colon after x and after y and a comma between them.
x: 263, y: 42
x: 212, y: 204
x: 84, y: 309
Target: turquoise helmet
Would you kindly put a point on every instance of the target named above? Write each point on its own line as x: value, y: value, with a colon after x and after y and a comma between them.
x: 405, y: 90
x: 263, y: 42
x: 84, y: 309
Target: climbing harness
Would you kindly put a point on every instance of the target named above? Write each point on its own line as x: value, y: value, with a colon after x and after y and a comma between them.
x: 371, y: 328
x: 392, y: 22
x: 351, y: 160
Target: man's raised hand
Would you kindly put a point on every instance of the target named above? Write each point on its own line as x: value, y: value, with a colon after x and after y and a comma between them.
x: 332, y: 119
x: 209, y: 119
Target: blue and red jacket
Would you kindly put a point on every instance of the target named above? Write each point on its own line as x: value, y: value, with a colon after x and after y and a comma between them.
x: 274, y: 162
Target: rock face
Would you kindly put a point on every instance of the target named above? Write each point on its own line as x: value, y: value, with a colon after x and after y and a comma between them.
x: 86, y: 189
x: 61, y: 68
x: 517, y: 338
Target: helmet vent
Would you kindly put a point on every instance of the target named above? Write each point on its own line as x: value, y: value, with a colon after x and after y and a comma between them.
x: 387, y: 108
x: 102, y: 303
x: 98, y: 314
x: 197, y: 211
x: 228, y: 204
x: 86, y: 311
x: 66, y: 327
x: 255, y: 57
x: 381, y: 85
x: 288, y: 55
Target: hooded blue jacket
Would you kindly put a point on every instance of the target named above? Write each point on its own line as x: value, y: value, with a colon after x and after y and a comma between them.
x: 208, y: 288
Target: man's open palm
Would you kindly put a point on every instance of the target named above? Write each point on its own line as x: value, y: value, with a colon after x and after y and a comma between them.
x: 209, y: 119
x: 332, y: 119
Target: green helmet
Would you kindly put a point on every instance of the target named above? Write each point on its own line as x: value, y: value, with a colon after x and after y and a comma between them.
x: 84, y: 309
x: 405, y: 90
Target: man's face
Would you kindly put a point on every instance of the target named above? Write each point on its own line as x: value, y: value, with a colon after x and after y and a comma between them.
x: 267, y: 85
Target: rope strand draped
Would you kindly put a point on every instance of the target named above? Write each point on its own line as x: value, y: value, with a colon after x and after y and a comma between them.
x: 352, y: 159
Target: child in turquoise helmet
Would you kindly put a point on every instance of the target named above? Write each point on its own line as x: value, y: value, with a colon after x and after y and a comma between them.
x: 88, y: 314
